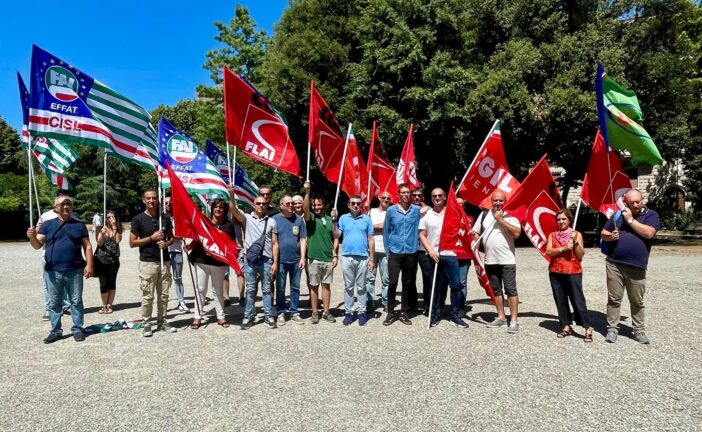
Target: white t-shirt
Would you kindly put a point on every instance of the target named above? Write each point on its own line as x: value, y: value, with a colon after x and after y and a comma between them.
x: 499, y: 244
x: 177, y: 245
x: 377, y: 216
x: 432, y: 222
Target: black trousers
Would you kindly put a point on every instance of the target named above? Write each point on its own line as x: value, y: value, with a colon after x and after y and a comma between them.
x: 107, y: 275
x: 565, y: 287
x: 426, y: 265
x: 407, y: 265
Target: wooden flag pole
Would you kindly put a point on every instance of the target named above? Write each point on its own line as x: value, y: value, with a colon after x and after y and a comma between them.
x: 341, y: 170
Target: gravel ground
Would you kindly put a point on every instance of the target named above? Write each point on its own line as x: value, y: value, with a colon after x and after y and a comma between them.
x: 375, y: 378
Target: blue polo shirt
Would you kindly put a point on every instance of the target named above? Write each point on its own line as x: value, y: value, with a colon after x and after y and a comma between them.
x: 401, y: 230
x: 290, y: 231
x: 355, y: 231
x: 63, y: 244
x: 631, y: 249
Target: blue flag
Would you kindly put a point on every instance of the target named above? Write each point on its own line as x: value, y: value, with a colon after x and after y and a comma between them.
x: 179, y: 150
x: 217, y: 156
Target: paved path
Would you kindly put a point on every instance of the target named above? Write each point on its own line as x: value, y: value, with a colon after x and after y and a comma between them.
x: 340, y: 378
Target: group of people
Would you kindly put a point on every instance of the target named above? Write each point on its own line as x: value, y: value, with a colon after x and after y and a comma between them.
x: 276, y: 245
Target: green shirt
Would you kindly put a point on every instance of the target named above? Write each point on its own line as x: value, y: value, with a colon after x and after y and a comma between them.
x: 320, y: 238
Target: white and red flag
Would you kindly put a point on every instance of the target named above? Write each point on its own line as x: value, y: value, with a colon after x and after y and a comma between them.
x: 407, y: 167
x: 256, y: 127
x: 605, y: 181
x: 488, y: 172
x: 381, y: 175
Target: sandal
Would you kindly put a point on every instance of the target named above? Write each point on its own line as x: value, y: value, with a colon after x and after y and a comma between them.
x: 196, y: 324
x: 588, y: 336
x: 102, y: 310
x: 108, y: 309
x: 564, y: 333
x: 224, y: 323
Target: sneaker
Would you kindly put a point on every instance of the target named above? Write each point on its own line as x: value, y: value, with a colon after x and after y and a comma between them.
x: 611, y: 336
x: 404, y: 319
x: 227, y: 302
x: 362, y: 319
x: 314, y: 319
x: 45, y: 317
x: 641, y: 338
x: 297, y: 319
x: 281, y: 319
x: 165, y: 327
x: 270, y: 322
x: 348, y: 319
x: 242, y: 302
x: 246, y: 324
x: 389, y: 319
x: 497, y: 323
x: 53, y: 337
x: 79, y: 336
x: 458, y: 322
x: 435, y: 318
x: 183, y: 307
x: 147, y: 332
x: 513, y: 327
x: 328, y: 317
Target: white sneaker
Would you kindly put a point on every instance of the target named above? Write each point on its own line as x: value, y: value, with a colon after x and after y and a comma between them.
x: 183, y: 307
x: 281, y: 319
x: 297, y: 319
x: 513, y: 327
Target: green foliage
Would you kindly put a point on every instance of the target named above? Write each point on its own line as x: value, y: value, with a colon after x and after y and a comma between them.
x: 10, y: 149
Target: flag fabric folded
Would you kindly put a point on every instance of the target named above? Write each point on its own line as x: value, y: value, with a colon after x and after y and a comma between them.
x: 488, y: 172
x: 535, y: 204
x: 69, y: 105
x: 246, y: 189
x: 189, y: 222
x: 256, y: 127
x: 605, y: 180
x: 218, y: 158
x: 620, y: 119
x: 407, y: 167
x: 355, y: 173
x: 381, y: 174
x: 325, y: 136
x: 197, y: 173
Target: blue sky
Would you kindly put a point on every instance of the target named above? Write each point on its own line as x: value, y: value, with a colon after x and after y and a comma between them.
x: 151, y: 51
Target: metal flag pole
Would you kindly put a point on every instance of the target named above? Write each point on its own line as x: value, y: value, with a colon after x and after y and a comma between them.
x: 477, y: 153
x: 30, y: 175
x: 160, y: 222
x: 36, y: 194
x: 229, y: 164
x: 341, y: 170
x: 431, y: 301
x: 104, y: 188
x: 577, y: 210
x: 196, y: 289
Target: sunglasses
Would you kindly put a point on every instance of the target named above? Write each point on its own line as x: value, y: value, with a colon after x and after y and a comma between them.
x: 354, y: 204
x: 385, y: 198
x: 260, y: 203
x: 417, y: 195
x: 438, y: 196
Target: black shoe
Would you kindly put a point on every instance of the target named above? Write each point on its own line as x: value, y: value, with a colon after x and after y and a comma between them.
x: 425, y: 312
x: 66, y: 311
x: 53, y: 337
x: 227, y: 303
x: 404, y: 319
x: 458, y: 322
x: 79, y: 336
x: 389, y: 319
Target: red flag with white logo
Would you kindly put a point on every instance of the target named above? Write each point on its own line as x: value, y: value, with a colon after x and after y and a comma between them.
x: 605, y: 181
x: 380, y: 173
x: 325, y: 136
x: 254, y: 126
x: 191, y: 223
x: 355, y: 172
x: 488, y: 172
x: 407, y: 168
x: 535, y: 204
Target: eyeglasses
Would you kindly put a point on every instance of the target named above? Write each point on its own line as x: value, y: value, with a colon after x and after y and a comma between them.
x: 354, y: 203
x: 417, y: 195
x: 438, y: 196
x: 260, y: 203
x: 385, y: 198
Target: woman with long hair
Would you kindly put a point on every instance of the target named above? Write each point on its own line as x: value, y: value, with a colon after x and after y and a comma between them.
x: 565, y: 272
x: 107, y: 259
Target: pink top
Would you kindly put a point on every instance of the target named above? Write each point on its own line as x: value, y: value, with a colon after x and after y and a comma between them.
x: 565, y: 262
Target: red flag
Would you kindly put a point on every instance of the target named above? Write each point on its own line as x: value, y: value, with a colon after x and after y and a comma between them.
x: 381, y: 174
x: 254, y: 126
x: 479, y: 266
x: 189, y: 222
x: 407, y: 168
x: 605, y: 181
x: 488, y: 172
x: 325, y: 136
x: 535, y: 204
x: 354, y: 177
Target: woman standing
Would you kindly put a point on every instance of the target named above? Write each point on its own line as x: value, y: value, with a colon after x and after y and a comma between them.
x: 107, y: 259
x: 565, y: 247
x: 209, y: 268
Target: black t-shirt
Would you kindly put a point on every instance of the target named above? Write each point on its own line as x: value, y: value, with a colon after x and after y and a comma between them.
x: 198, y: 255
x: 143, y: 226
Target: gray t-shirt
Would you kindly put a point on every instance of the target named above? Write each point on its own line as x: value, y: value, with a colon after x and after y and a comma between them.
x: 253, y: 229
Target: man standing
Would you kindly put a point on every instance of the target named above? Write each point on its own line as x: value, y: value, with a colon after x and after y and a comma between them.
x: 401, y: 238
x: 450, y: 268
x: 65, y: 267
x: 377, y: 216
x: 357, y: 258
x: 297, y: 202
x: 97, y: 222
x: 47, y: 216
x: 153, y: 243
x: 629, y: 236
x: 292, y: 245
x: 261, y: 229
x: 426, y: 264
x: 175, y: 253
x: 497, y: 231
x: 322, y: 254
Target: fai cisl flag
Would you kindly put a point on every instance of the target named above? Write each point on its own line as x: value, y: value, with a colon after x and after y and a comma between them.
x: 256, y: 127
x: 407, y: 167
x: 191, y: 223
x: 325, y: 136
x: 605, y: 181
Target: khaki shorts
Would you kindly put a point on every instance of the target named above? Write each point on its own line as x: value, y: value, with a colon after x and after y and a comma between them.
x: 319, y: 272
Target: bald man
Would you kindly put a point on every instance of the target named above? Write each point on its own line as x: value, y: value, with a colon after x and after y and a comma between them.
x: 629, y: 235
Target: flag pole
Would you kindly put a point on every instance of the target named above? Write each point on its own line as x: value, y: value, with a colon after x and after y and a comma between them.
x: 36, y: 194
x: 370, y: 164
x: 160, y: 220
x: 431, y: 301
x: 229, y: 164
x: 104, y: 187
x: 577, y: 211
x: 309, y: 138
x: 30, y: 175
x: 196, y: 290
x: 477, y: 153
x: 341, y: 170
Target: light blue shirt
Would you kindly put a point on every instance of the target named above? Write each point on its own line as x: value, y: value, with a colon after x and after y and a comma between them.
x: 355, y: 231
x: 401, y: 230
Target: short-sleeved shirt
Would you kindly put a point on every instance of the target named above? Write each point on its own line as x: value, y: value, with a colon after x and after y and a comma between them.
x: 320, y: 238
x: 631, y: 249
x: 144, y: 226
x: 432, y: 222
x: 355, y: 231
x: 63, y: 244
x: 290, y: 231
x: 198, y: 254
x: 177, y: 245
x: 499, y: 244
x: 377, y: 216
x: 401, y: 230
x: 253, y: 228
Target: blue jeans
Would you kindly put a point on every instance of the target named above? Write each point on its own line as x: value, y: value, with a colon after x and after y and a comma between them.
x: 263, y: 269
x: 294, y: 270
x: 449, y: 274
x: 354, y: 269
x: 381, y: 263
x: 463, y: 266
x: 177, y: 272
x: 47, y: 298
x: 69, y: 284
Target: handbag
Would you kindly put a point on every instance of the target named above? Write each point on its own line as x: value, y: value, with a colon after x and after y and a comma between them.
x: 254, y: 253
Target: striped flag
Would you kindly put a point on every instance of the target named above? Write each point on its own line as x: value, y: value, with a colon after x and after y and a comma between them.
x: 195, y: 170
x: 58, y: 180
x: 246, y: 189
x: 69, y: 105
